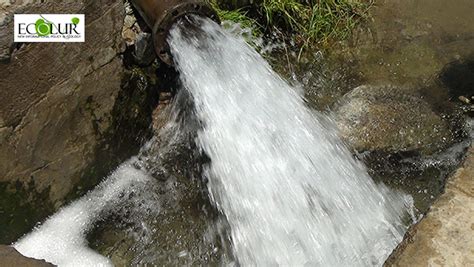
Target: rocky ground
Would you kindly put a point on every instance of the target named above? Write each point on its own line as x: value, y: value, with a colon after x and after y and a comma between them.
x: 445, y: 236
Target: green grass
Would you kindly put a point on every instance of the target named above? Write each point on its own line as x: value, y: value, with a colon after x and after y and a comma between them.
x: 238, y: 16
x: 310, y: 21
x: 334, y: 19
x: 289, y: 12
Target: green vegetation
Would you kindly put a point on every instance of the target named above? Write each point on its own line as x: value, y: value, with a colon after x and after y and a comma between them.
x: 236, y: 15
x: 312, y: 21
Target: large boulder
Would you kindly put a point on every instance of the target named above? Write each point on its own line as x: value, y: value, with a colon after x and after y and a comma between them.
x: 57, y: 98
x: 56, y: 105
x: 390, y: 119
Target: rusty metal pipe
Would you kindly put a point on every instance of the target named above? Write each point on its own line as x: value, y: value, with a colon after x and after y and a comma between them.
x: 160, y: 15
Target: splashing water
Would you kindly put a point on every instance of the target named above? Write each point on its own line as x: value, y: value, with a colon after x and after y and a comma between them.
x: 289, y: 189
x: 61, y: 240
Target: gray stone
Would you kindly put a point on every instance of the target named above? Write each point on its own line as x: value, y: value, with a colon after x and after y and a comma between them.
x: 390, y: 119
x: 129, y: 31
x: 144, y: 49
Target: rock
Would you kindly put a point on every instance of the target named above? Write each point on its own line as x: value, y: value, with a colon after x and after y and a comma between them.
x: 6, y: 35
x: 47, y: 93
x: 69, y: 113
x: 129, y: 30
x: 9, y: 256
x: 132, y: 26
x: 144, y: 49
x: 56, y: 103
x: 141, y: 42
x: 464, y: 99
x: 390, y: 119
x: 445, y: 236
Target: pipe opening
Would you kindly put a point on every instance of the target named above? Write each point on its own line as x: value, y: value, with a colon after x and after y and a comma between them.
x: 160, y: 16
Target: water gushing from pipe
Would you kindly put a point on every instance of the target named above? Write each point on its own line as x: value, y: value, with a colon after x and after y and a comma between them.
x: 289, y: 189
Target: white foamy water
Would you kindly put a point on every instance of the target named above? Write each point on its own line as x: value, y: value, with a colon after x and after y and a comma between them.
x: 61, y: 238
x: 291, y: 192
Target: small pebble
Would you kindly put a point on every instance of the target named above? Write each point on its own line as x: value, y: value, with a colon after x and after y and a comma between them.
x: 464, y: 99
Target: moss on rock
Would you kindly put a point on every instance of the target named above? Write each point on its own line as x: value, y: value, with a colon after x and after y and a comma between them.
x: 21, y: 207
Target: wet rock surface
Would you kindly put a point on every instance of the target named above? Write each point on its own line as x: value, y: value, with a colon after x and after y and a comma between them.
x: 56, y: 103
x: 9, y: 256
x: 444, y: 236
x: 411, y: 70
x: 181, y: 226
x: 427, y: 46
x: 144, y: 49
x: 391, y: 119
x: 69, y: 113
x: 407, y: 140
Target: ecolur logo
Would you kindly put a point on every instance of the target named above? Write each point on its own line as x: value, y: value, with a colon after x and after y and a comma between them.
x: 49, y: 28
x: 44, y: 27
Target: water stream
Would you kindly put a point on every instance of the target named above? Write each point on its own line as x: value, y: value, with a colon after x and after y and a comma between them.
x: 290, y: 190
x: 287, y: 187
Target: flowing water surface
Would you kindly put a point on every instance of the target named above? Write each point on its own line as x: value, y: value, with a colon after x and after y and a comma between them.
x: 289, y: 191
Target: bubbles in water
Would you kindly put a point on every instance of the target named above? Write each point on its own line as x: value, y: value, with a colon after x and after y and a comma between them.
x: 61, y: 239
x: 289, y: 189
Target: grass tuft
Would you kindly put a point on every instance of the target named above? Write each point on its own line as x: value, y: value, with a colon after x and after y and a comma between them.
x: 238, y: 16
x: 311, y: 21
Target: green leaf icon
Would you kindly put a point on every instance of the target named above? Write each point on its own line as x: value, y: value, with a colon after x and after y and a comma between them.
x: 42, y: 28
x: 75, y: 20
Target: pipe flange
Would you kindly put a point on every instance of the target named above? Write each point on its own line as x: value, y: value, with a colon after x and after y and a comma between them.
x: 165, y: 22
